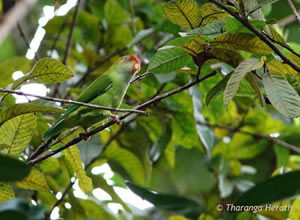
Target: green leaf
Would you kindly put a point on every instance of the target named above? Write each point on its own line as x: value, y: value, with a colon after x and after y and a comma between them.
x: 181, y: 205
x: 12, y: 65
x: 168, y: 60
x: 114, y: 13
x: 21, y: 109
x: 282, y: 95
x: 12, y: 169
x: 209, y: 14
x: 94, y: 210
x: 274, y: 189
x: 230, y: 57
x: 233, y: 25
x: 6, y: 191
x: 204, y: 132
x: 260, y: 5
x: 241, y: 41
x: 211, y: 30
x: 46, y: 70
x: 284, y: 69
x: 217, y: 89
x: 17, y: 133
x: 161, y: 144
x: 185, y: 13
x: 34, y: 181
x: 140, y: 35
x: 85, y: 182
x: 130, y: 162
x: 235, y: 79
x: 195, y: 46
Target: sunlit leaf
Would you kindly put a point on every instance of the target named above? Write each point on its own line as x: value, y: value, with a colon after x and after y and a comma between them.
x: 94, y: 210
x: 282, y: 95
x: 279, y: 67
x: 194, y: 46
x: 294, y: 214
x: 12, y: 65
x: 130, y: 162
x: 233, y: 83
x: 6, y: 192
x: 241, y: 41
x: 173, y: 203
x: 17, y: 133
x: 275, y: 35
x: 114, y: 13
x: 185, y: 13
x: 85, y: 182
x: 34, y: 181
x: 46, y: 70
x: 12, y: 169
x: 209, y: 14
x: 21, y: 109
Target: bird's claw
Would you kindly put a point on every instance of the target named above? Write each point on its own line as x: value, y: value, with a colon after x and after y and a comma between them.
x: 115, y: 118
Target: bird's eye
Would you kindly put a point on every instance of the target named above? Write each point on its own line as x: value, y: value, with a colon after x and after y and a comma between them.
x: 126, y: 58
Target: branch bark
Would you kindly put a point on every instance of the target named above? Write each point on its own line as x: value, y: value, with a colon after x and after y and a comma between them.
x: 297, y: 16
x: 52, y: 99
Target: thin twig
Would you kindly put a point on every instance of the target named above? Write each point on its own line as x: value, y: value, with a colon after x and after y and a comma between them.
x: 108, y: 124
x: 297, y: 16
x: 288, y: 20
x: 286, y: 46
x: 139, y: 77
x: 73, y: 102
x: 70, y: 36
x: 25, y: 38
x: 259, y: 34
x: 261, y: 136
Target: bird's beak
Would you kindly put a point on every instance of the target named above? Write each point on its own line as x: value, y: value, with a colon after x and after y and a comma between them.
x: 137, y: 67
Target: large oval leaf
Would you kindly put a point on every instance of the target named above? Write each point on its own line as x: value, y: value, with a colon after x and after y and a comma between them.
x: 16, y: 133
x: 46, y: 70
x: 282, y: 95
x: 233, y: 83
x: 12, y: 169
x: 20, y: 109
x: 274, y: 189
x: 241, y: 41
x: 6, y: 192
x: 185, y: 13
x: 210, y: 30
x: 85, y: 182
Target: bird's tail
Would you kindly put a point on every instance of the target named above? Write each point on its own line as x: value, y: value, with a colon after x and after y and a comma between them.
x: 55, y: 129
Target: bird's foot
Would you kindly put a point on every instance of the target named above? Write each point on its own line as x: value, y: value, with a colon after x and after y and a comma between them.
x: 85, y: 136
x: 115, y: 118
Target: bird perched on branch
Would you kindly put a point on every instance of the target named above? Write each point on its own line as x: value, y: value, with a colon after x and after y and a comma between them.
x: 107, y: 90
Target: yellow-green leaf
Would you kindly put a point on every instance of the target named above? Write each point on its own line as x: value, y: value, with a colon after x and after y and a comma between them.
x: 194, y: 46
x: 230, y: 57
x: 94, y: 210
x: 6, y: 192
x: 130, y: 162
x: 85, y: 182
x: 241, y: 41
x: 114, y: 13
x: 185, y: 13
x: 276, y: 66
x: 275, y: 35
x: 209, y: 14
x: 20, y: 109
x: 234, y: 81
x: 294, y: 213
x: 46, y: 70
x: 34, y: 181
x: 12, y: 65
x: 17, y: 133
x: 282, y: 95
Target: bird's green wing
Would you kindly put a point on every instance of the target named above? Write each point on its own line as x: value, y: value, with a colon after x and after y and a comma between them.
x: 97, y: 88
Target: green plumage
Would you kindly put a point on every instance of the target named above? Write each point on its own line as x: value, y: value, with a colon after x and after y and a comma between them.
x: 107, y: 90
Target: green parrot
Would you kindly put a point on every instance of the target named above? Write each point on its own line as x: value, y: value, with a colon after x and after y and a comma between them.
x: 107, y: 90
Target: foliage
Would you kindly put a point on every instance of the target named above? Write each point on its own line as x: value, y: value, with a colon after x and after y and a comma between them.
x: 223, y: 106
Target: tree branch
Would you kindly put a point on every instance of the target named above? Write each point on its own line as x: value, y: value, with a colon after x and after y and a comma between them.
x: 261, y: 136
x: 108, y: 124
x: 259, y: 34
x: 297, y: 16
x: 74, y: 102
x: 13, y: 16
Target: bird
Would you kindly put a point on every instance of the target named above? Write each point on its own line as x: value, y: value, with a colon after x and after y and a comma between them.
x: 107, y: 90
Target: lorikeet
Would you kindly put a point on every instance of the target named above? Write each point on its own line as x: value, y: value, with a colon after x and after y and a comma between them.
x: 107, y: 90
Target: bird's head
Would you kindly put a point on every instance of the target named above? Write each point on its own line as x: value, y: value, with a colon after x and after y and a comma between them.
x: 131, y: 63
